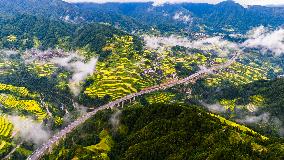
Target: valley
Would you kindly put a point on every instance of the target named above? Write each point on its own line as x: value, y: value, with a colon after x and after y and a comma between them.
x: 140, y: 80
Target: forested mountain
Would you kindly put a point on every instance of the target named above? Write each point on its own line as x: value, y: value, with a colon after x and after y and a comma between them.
x: 236, y: 16
x: 178, y: 16
x: 164, y: 132
x: 26, y: 28
x: 47, y: 8
x: 263, y: 99
x: 143, y: 16
x: 51, y: 33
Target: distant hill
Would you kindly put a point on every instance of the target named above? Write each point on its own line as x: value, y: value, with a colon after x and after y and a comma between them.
x: 58, y: 9
x: 217, y: 17
x: 47, y: 8
x: 52, y: 33
x: 136, y: 16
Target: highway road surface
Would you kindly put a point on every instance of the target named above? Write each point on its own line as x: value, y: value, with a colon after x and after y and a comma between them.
x: 38, y: 153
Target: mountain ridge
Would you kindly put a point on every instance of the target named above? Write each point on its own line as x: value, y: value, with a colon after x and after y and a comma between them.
x: 168, y: 17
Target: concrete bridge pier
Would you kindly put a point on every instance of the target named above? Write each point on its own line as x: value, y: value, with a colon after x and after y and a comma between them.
x: 193, y: 81
x: 50, y: 149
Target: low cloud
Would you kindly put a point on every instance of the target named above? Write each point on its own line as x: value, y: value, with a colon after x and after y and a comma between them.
x: 263, y: 119
x: 115, y: 120
x: 79, y: 68
x: 266, y: 40
x: 69, y: 60
x: 223, y: 47
x: 245, y: 3
x: 29, y: 129
x: 80, y: 110
x: 260, y: 38
x: 214, y: 108
x: 155, y: 2
x: 180, y: 16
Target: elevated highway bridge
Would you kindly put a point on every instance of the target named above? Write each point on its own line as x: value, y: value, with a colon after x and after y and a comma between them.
x: 38, y: 153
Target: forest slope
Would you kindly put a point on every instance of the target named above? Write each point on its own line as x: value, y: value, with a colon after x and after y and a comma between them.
x: 162, y: 131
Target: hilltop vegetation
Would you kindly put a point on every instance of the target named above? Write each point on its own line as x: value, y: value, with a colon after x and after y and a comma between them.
x: 164, y: 132
x: 38, y: 32
x: 51, y: 9
x: 258, y: 102
x: 225, y: 17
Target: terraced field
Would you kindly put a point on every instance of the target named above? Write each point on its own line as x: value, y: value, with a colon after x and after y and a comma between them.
x: 20, y: 91
x: 197, y: 58
x: 115, y: 82
x: 21, y: 99
x: 4, y: 147
x: 42, y: 70
x: 255, y: 101
x: 228, y: 104
x: 30, y: 106
x: 161, y: 97
x: 11, y: 38
x: 7, y: 67
x: 166, y: 62
x: 127, y: 71
x: 6, y: 127
x: 239, y: 74
x: 119, y: 75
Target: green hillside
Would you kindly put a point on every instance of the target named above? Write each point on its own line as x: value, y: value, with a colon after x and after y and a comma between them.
x: 255, y: 99
x: 165, y: 132
x: 42, y: 33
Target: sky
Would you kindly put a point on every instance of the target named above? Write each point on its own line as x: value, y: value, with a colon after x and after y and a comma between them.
x: 159, y: 2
